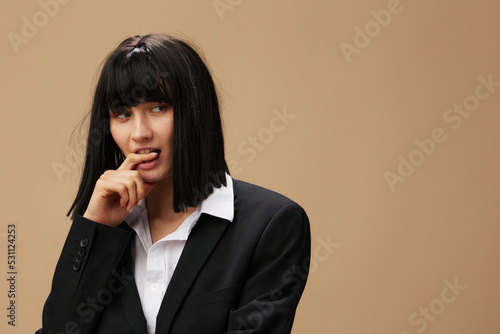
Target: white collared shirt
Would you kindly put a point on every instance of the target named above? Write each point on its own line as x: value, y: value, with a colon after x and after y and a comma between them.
x: 154, y: 264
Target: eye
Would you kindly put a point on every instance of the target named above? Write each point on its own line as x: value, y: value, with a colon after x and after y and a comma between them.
x: 158, y: 108
x: 122, y: 115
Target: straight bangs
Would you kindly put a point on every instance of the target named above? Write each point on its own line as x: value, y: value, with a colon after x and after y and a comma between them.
x: 131, y: 78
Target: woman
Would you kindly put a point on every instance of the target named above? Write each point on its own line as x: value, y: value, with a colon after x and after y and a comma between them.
x: 163, y: 240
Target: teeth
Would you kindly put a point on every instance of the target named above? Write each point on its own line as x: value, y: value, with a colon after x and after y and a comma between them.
x: 146, y: 151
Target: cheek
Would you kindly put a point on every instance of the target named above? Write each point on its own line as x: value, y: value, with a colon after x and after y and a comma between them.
x: 166, y: 131
x: 119, y: 136
x: 170, y: 136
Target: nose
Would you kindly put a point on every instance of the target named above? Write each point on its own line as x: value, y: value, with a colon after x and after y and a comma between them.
x: 141, y: 129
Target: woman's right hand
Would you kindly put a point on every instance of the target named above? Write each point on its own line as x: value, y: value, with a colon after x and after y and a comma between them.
x: 118, y: 191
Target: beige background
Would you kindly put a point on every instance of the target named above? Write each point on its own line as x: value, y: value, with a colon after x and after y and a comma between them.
x: 388, y: 253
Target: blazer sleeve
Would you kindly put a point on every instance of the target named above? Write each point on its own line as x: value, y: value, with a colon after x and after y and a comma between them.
x: 277, y: 275
x: 85, y: 278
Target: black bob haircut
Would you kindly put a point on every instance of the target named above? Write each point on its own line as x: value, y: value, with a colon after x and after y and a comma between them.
x: 159, y: 68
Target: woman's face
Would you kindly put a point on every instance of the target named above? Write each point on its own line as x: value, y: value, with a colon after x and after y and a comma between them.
x: 147, y: 126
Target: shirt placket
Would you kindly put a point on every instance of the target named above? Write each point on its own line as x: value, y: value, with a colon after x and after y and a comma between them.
x: 155, y: 279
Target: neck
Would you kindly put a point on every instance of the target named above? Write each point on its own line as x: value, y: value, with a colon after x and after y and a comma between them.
x: 162, y: 218
x: 160, y: 200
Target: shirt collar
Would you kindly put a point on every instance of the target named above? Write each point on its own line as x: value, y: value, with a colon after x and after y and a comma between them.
x: 220, y: 203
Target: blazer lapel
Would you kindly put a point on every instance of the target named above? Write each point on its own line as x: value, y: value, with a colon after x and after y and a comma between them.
x: 129, y: 297
x: 198, y: 248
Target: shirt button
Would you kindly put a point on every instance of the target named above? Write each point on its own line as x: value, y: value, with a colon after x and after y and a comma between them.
x: 154, y: 286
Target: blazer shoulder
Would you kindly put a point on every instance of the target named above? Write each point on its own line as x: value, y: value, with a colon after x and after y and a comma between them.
x: 254, y: 196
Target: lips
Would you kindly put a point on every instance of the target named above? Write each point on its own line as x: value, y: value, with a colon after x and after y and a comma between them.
x: 149, y: 164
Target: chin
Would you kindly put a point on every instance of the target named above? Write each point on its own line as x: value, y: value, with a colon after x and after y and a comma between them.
x: 152, y: 176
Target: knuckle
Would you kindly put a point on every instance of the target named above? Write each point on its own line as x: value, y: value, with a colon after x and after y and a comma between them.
x: 130, y: 183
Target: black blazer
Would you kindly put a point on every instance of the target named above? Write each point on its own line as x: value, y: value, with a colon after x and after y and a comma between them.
x: 244, y: 276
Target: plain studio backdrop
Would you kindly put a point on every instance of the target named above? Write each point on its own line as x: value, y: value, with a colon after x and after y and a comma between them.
x: 379, y: 117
